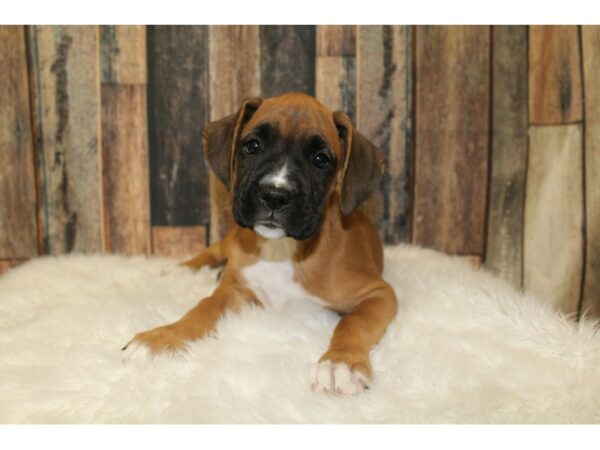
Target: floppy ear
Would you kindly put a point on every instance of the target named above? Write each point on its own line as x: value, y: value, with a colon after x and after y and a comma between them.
x: 362, y: 165
x: 221, y: 137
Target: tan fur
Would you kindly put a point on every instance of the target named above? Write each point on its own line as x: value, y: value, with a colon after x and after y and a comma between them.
x: 340, y: 264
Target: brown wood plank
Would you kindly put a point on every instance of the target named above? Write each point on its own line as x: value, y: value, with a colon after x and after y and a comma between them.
x: 178, y: 242
x: 123, y: 54
x: 65, y: 70
x: 287, y: 59
x: 504, y: 244
x: 18, y: 228
x: 7, y: 264
x: 553, y: 239
x: 336, y: 40
x: 383, y: 114
x: 125, y: 169
x: 452, y: 123
x: 336, y: 83
x: 591, y: 80
x: 234, y: 75
x: 555, y: 95
x: 178, y: 109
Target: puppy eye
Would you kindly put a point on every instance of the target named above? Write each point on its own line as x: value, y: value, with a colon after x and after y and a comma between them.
x: 321, y: 160
x: 251, y: 147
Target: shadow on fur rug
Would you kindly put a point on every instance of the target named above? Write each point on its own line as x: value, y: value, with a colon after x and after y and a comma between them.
x: 465, y: 347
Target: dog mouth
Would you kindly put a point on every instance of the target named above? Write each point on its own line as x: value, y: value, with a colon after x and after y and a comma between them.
x: 269, y: 230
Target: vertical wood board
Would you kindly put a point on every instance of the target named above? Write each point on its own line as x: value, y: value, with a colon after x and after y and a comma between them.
x: 18, y: 228
x: 553, y: 239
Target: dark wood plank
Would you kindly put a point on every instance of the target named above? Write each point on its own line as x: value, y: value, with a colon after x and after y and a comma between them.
x: 178, y: 242
x: 125, y: 169
x: 18, y: 228
x: 591, y: 80
x: 504, y: 244
x: 234, y: 75
x: 555, y: 95
x: 553, y: 237
x: 178, y: 109
x: 452, y: 125
x: 123, y: 54
x: 336, y: 40
x: 65, y: 70
x: 383, y: 114
x: 287, y: 54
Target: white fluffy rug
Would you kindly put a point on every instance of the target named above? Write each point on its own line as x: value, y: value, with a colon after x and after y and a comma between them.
x: 465, y: 347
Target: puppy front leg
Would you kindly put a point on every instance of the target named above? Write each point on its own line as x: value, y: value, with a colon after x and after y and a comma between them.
x: 345, y: 367
x: 197, y: 323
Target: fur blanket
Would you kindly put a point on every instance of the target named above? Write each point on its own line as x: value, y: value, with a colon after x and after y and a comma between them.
x: 465, y: 347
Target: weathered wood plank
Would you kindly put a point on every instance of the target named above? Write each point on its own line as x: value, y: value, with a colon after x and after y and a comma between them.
x: 125, y: 169
x: 336, y: 83
x: 452, y: 122
x: 65, y: 68
x: 553, y: 239
x: 591, y: 79
x: 178, y: 242
x: 234, y: 75
x: 178, y: 109
x: 18, y: 226
x: 287, y: 56
x: 504, y: 244
x: 123, y: 54
x: 383, y: 114
x: 336, y: 40
x: 555, y: 95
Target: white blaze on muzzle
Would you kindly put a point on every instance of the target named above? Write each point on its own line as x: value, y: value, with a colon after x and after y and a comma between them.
x: 279, y: 179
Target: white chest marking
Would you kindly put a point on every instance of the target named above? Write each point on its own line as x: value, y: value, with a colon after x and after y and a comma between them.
x: 274, y: 285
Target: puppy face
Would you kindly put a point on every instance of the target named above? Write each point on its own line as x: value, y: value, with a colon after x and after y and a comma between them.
x: 283, y: 178
x: 282, y: 157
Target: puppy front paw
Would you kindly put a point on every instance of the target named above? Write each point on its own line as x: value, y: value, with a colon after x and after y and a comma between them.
x: 148, y: 344
x: 338, y: 378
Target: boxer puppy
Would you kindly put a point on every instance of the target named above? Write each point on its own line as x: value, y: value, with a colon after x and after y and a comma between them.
x: 297, y: 173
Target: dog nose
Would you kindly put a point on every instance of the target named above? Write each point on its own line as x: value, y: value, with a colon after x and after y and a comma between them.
x: 275, y: 199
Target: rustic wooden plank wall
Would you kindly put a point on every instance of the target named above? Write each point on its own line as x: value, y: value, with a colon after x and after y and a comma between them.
x: 18, y: 223
x: 491, y: 137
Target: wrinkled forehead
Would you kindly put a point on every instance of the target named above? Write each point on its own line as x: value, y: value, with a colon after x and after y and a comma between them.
x: 296, y: 121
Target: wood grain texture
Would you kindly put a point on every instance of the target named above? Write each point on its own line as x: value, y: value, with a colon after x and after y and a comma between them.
x: 336, y: 40
x: 65, y: 70
x: 336, y: 83
x: 452, y: 124
x: 178, y: 242
x: 504, y: 244
x: 18, y: 228
x: 555, y: 95
x: 234, y: 76
x: 383, y: 115
x: 553, y: 239
x: 125, y: 169
x: 123, y: 54
x: 178, y: 109
x: 591, y: 80
x: 287, y: 59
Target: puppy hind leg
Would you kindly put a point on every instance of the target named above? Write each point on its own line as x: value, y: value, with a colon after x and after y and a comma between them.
x: 212, y: 256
